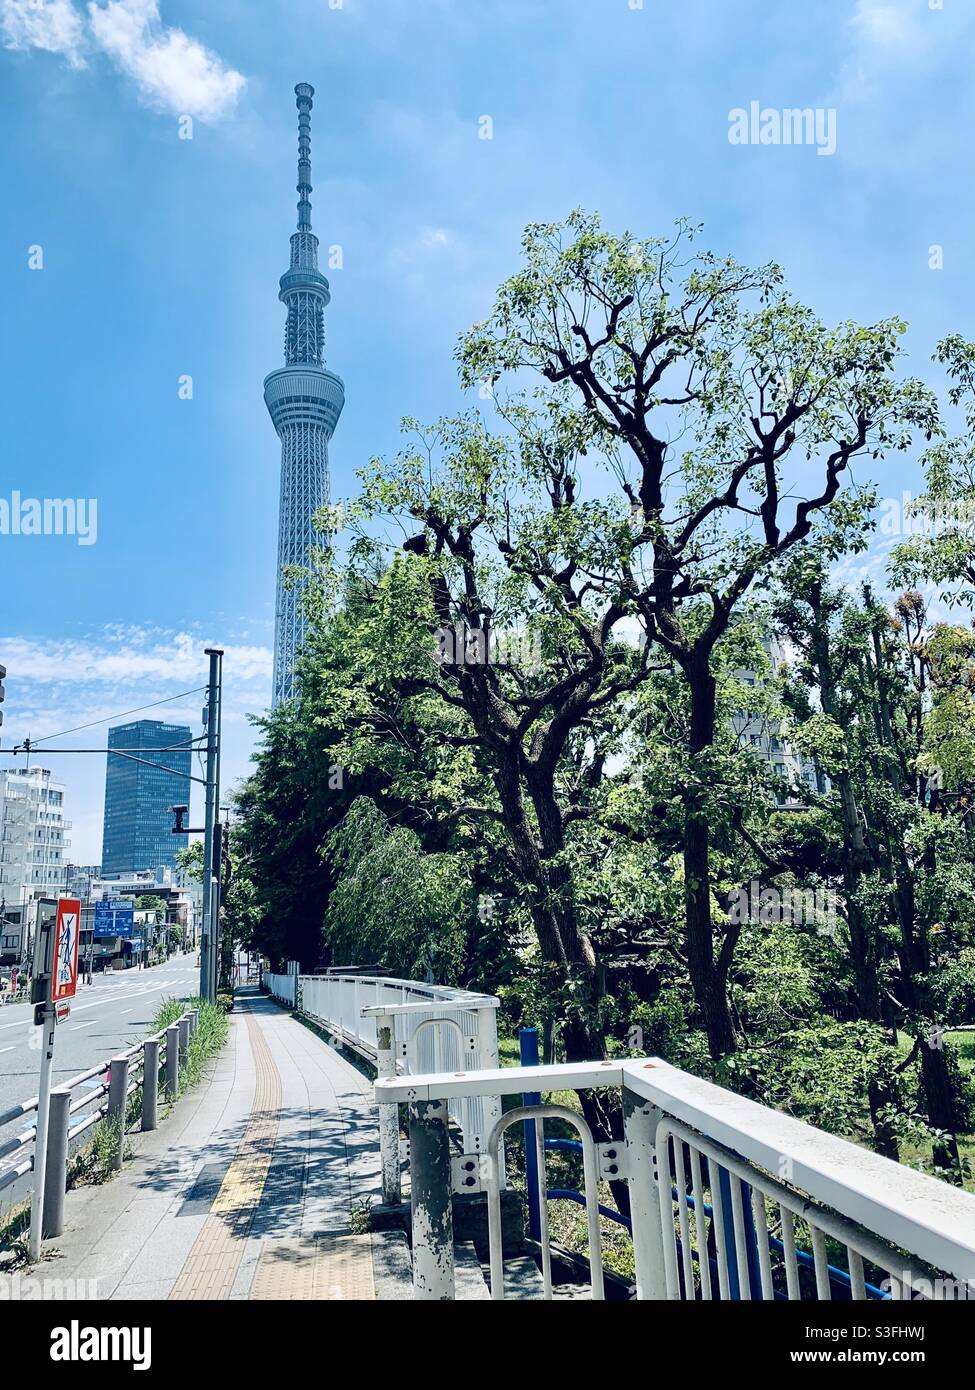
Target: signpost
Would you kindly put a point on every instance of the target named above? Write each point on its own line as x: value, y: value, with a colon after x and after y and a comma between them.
x: 55, y: 982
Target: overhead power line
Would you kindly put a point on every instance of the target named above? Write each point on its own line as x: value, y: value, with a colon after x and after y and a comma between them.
x: 109, y: 717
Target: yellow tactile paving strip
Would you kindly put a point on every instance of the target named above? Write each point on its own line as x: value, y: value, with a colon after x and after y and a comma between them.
x: 322, y: 1267
x: 211, y: 1266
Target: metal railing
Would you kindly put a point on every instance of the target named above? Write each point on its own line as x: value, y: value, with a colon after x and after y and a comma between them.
x: 280, y: 987
x: 103, y: 1092
x: 405, y: 1027
x: 728, y: 1199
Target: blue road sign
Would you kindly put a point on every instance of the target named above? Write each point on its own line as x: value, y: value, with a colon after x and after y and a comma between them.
x: 114, y: 917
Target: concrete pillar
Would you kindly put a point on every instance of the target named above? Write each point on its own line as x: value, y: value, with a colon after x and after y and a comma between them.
x: 117, y: 1087
x: 56, y: 1172
x: 430, y: 1199
x: 150, y: 1083
x: 640, y: 1120
x: 184, y: 1038
x: 172, y: 1061
x: 388, y: 1114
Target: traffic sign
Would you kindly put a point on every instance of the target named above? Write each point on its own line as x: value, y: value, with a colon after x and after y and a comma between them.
x: 62, y: 1011
x: 64, y: 978
x: 114, y: 917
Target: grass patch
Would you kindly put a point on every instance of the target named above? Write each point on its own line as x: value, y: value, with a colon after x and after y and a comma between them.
x: 93, y: 1164
x: 15, y: 1238
x: 210, y: 1036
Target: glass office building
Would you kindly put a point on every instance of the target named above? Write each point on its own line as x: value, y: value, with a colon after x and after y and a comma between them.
x: 138, y: 830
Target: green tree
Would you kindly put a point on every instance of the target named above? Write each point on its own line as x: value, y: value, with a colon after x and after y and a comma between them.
x: 637, y: 343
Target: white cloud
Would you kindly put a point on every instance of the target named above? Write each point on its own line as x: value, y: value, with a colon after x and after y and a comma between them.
x: 53, y: 25
x: 121, y: 657
x: 59, y: 684
x: 886, y: 24
x: 888, y: 36
x: 429, y: 250
x: 172, y: 71
x: 434, y: 237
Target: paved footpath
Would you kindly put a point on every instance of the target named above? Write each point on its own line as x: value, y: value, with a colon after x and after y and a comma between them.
x: 247, y: 1189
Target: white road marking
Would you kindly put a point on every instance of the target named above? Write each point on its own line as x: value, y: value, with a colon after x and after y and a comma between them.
x: 5, y: 1049
x: 83, y: 1025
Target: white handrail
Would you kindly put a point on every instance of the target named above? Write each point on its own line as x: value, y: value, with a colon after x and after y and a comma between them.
x: 873, y: 1206
x: 406, y: 1026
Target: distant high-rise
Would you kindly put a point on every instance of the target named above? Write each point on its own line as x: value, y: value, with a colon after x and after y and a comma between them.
x: 305, y: 402
x: 138, y: 827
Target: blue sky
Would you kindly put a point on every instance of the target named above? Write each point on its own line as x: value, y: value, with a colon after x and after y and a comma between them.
x: 161, y: 258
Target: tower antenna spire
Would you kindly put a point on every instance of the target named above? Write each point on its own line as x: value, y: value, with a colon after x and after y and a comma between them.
x: 305, y: 401
x: 304, y: 92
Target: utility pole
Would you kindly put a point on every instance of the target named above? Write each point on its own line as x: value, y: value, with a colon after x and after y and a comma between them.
x: 209, y: 945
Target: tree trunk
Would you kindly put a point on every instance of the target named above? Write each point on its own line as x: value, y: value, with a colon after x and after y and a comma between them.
x: 855, y: 865
x: 708, y: 981
x: 936, y: 1079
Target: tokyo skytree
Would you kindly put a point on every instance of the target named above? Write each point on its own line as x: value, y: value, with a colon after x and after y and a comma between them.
x: 305, y: 402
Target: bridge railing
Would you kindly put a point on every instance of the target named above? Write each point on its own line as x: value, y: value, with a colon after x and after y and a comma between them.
x: 728, y: 1199
x: 405, y: 1026
x: 281, y: 987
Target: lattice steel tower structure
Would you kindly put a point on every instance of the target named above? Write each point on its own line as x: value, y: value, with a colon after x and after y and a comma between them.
x: 305, y: 402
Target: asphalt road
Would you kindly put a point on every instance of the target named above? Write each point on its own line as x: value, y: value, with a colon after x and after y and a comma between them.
x: 107, y: 1017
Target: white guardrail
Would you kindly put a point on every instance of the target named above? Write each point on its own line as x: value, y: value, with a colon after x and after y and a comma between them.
x: 101, y: 1092
x: 405, y: 1026
x: 728, y: 1199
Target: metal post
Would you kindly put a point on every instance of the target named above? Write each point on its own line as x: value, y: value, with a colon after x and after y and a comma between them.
x: 388, y: 1114
x: 432, y: 1215
x: 42, y: 965
x: 172, y: 1061
x: 183, y: 1025
x: 528, y: 1050
x: 118, y: 1085
x: 150, y: 1083
x: 56, y: 1172
x: 731, y: 1244
x: 40, y: 1133
x: 751, y: 1240
x: 208, y: 948
x: 487, y: 1052
x: 218, y: 838
x: 640, y: 1120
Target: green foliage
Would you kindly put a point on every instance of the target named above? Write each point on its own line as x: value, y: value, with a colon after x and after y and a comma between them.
x: 149, y: 902
x: 413, y: 911
x: 190, y: 860
x: 819, y: 1072
x: 659, y: 481
x: 211, y: 1034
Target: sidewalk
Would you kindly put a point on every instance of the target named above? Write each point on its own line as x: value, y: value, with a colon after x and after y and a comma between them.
x: 246, y: 1189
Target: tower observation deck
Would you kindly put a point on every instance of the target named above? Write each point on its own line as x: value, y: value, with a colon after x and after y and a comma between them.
x: 305, y: 401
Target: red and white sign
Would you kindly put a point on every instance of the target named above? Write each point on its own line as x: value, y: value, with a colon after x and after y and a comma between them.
x: 64, y: 979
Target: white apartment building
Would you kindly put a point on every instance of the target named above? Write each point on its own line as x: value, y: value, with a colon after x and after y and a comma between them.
x: 765, y: 738
x: 32, y: 849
